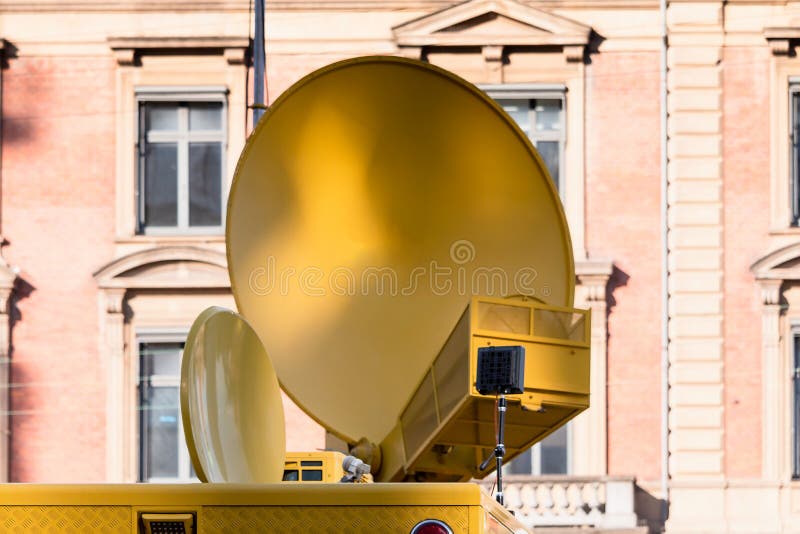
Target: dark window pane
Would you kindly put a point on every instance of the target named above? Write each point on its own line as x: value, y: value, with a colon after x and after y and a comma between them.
x: 205, y: 116
x: 162, y: 432
x: 159, y: 408
x: 554, y: 453
x: 205, y: 182
x: 549, y: 152
x: 796, y: 411
x: 795, y: 185
x: 313, y: 475
x: 161, y: 116
x: 521, y: 465
x: 161, y: 185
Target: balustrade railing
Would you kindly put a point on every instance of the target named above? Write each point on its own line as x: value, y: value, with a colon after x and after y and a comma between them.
x: 599, y: 502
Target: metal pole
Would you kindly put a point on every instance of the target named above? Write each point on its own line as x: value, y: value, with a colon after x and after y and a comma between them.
x: 500, y: 450
x: 259, y: 63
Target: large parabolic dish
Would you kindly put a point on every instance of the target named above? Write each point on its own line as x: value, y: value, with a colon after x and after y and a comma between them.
x: 374, y: 197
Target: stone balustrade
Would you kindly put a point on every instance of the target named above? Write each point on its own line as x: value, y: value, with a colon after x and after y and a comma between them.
x: 603, y: 503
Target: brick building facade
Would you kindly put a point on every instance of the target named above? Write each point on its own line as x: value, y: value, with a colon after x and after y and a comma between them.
x: 101, y: 278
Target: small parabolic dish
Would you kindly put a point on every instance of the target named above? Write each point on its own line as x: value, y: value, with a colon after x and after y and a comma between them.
x: 231, y: 402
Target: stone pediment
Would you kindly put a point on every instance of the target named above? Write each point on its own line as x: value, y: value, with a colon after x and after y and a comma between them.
x: 166, y: 268
x: 493, y: 23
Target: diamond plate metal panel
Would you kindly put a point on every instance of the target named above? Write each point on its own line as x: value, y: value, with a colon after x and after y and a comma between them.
x: 328, y: 519
x: 65, y: 519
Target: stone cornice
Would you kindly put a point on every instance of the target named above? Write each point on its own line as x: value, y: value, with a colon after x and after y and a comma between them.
x: 149, y: 6
x: 126, y: 49
x: 781, y: 39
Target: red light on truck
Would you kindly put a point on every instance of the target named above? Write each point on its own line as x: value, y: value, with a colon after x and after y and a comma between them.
x: 431, y: 526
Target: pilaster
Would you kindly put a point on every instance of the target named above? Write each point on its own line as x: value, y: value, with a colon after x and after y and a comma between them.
x: 694, y: 81
x: 695, y: 181
x: 590, y: 435
x: 114, y: 327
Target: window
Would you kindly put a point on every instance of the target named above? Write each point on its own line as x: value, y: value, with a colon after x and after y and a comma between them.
x: 540, y: 114
x: 795, y: 152
x: 163, y: 454
x: 548, y: 457
x: 796, y: 409
x: 181, y: 148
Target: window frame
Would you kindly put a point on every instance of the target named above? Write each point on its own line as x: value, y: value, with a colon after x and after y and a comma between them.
x: 154, y: 336
x: 189, y: 94
x: 794, y: 152
x: 539, y: 92
x: 795, y: 404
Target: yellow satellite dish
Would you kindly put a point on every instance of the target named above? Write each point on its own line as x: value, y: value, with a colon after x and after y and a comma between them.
x: 231, y: 402
x: 373, y: 199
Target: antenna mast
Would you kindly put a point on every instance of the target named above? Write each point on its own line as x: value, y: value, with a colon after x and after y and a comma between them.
x: 259, y: 63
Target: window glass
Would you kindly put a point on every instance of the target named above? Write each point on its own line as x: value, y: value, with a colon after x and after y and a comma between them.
x: 542, y: 120
x: 548, y: 457
x: 205, y: 181
x: 796, y: 411
x: 554, y: 453
x: 163, y: 452
x: 795, y: 140
x: 519, y: 110
x: 161, y: 116
x: 548, y: 115
x: 161, y: 185
x: 205, y: 116
x: 549, y: 150
x: 161, y: 409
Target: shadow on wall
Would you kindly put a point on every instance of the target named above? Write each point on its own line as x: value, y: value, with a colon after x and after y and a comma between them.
x: 15, y: 128
x: 649, y: 509
x: 16, y: 402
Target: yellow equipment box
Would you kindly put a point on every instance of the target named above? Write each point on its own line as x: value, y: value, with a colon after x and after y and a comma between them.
x: 447, y: 428
x: 320, y: 466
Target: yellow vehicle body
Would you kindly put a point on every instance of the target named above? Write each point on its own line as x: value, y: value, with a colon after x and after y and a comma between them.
x: 313, y: 467
x: 245, y: 509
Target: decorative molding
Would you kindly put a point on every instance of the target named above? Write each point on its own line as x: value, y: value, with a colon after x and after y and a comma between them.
x: 771, y: 271
x: 594, y: 275
x: 782, y: 39
x: 240, y: 6
x: 778, y: 264
x: 770, y: 291
x: 172, y: 266
x: 494, y: 24
x: 131, y: 271
x: 127, y: 49
x: 114, y: 300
